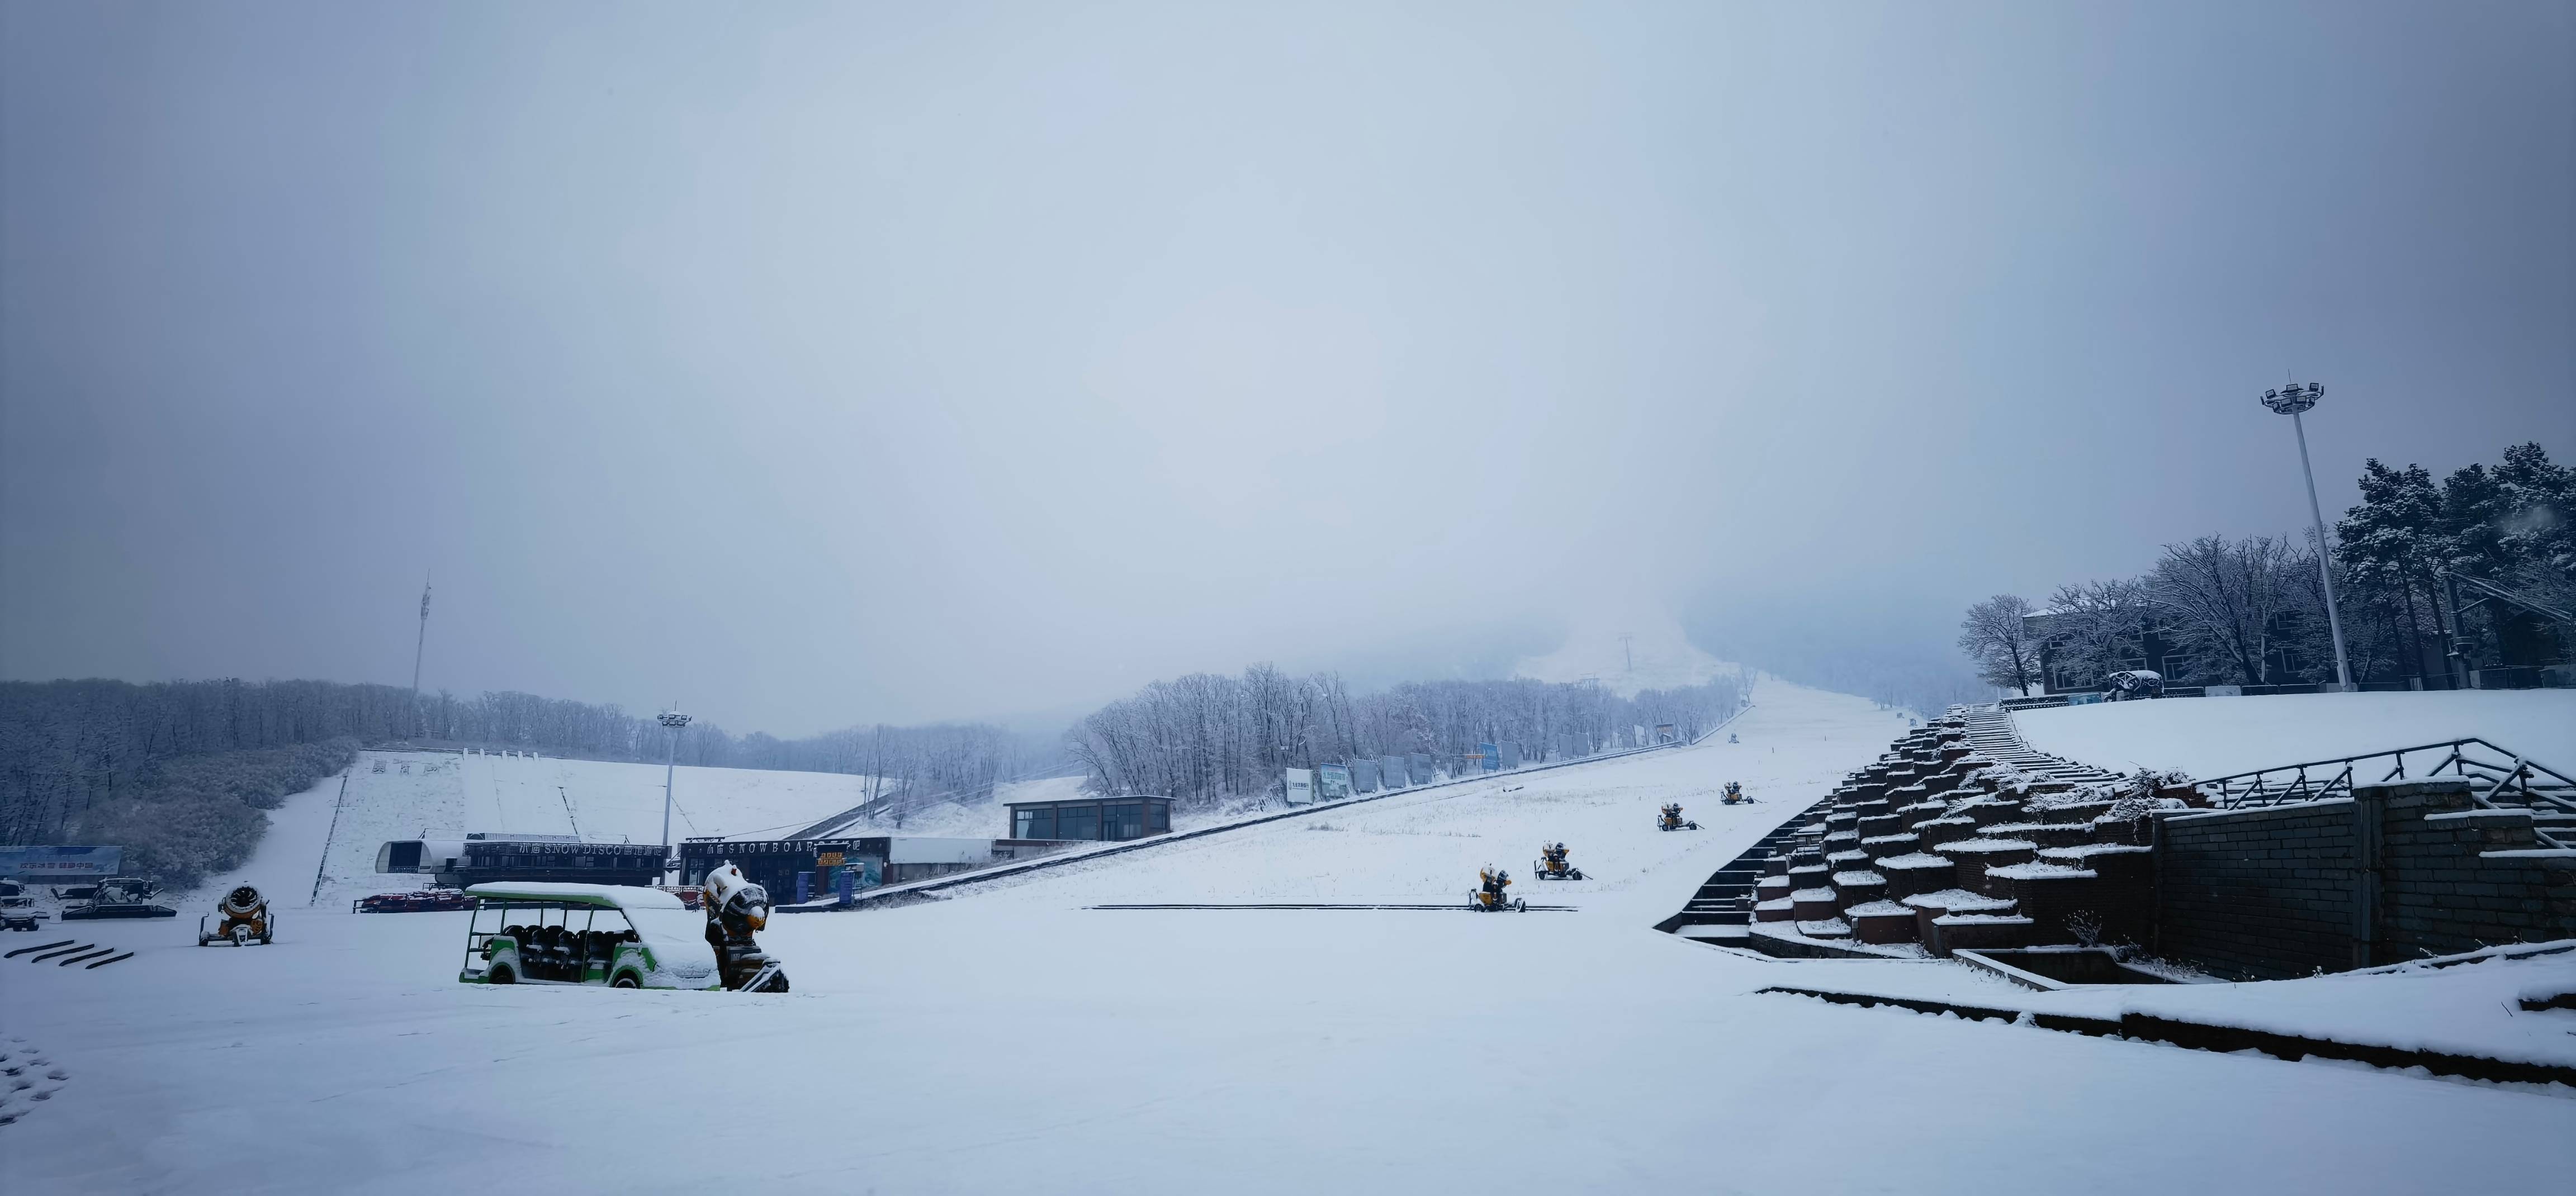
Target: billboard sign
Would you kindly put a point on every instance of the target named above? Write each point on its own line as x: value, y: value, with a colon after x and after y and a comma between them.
x: 60, y: 865
x: 1332, y: 782
x: 1396, y: 770
x: 1487, y: 757
x: 1363, y: 775
x: 1511, y: 755
x: 1300, y: 785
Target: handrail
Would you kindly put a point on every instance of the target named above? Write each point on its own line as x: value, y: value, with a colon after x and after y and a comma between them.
x: 2400, y: 753
x: 2512, y: 784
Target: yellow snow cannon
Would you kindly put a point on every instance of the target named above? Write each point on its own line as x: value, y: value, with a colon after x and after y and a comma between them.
x: 1734, y: 794
x: 1552, y: 865
x: 1487, y: 897
x: 1671, y: 819
x: 245, y: 920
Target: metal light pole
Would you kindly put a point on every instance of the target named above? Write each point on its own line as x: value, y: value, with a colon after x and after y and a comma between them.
x: 674, y: 721
x: 2290, y: 401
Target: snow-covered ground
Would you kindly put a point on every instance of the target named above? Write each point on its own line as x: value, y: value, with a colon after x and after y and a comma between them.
x: 2213, y: 737
x: 1010, y: 1039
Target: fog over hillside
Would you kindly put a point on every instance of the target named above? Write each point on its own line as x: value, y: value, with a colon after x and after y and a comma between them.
x: 821, y: 366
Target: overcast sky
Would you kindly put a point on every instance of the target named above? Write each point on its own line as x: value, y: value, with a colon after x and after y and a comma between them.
x: 825, y: 363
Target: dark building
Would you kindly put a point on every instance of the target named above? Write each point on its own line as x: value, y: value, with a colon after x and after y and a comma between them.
x: 871, y: 860
x: 457, y: 863
x: 1104, y: 819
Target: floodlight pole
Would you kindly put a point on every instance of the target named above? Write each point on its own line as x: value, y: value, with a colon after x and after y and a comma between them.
x: 674, y: 721
x: 2291, y: 400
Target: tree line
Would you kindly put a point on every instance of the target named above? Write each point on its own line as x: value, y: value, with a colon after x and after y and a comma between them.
x: 77, y: 756
x: 1207, y: 737
x: 2252, y: 611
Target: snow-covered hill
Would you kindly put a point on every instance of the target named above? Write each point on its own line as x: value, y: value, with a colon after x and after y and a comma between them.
x: 1638, y: 650
x: 443, y: 793
x: 2212, y: 737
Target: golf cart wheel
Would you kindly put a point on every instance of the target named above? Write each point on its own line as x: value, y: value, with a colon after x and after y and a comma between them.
x: 626, y: 980
x: 501, y: 973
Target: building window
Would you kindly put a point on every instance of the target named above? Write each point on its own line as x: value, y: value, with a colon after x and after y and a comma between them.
x: 1034, y: 824
x: 1158, y: 817
x: 1077, y: 822
x: 1125, y: 820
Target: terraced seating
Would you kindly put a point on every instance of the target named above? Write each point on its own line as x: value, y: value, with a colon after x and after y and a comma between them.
x: 1940, y: 842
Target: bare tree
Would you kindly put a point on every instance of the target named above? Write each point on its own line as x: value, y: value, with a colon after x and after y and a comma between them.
x: 2096, y: 626
x: 1994, y: 636
x: 2226, y: 596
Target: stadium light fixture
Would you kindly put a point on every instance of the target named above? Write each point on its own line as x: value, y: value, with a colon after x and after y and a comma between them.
x: 674, y: 721
x: 2292, y: 400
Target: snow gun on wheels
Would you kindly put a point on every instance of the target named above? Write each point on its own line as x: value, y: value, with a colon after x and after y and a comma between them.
x: 1552, y: 865
x: 245, y: 920
x: 1671, y: 819
x: 1734, y: 794
x: 1488, y: 896
x: 736, y: 908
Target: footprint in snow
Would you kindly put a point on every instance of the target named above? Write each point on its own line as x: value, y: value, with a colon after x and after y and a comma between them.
x: 24, y: 1089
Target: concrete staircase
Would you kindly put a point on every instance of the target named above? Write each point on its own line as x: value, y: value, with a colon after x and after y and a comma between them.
x: 1960, y: 836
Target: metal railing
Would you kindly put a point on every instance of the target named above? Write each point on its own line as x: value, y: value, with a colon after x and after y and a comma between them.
x: 2498, y: 779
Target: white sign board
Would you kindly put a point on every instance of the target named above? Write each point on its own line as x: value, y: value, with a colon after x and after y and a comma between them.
x: 1300, y: 783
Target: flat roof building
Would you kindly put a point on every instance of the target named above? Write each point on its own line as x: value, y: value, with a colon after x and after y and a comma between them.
x: 1099, y: 819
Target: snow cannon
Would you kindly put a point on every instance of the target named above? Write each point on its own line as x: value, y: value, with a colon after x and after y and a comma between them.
x: 245, y: 920
x: 1670, y: 819
x: 736, y: 909
x: 1552, y: 865
x: 1487, y: 896
x: 1734, y: 794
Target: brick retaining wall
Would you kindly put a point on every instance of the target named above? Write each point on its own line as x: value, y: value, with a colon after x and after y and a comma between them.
x: 2399, y: 871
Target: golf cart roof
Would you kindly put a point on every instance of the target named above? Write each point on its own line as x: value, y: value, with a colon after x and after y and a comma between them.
x: 611, y: 896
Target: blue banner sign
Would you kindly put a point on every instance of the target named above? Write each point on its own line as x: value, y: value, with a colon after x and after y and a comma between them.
x: 60, y: 865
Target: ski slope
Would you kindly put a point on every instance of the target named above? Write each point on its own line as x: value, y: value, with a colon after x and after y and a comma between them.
x: 2214, y: 737
x: 1012, y: 1039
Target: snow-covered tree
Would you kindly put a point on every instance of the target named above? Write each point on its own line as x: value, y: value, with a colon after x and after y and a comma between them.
x: 1996, y: 637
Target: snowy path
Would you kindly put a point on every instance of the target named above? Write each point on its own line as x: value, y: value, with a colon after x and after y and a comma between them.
x: 1010, y: 1040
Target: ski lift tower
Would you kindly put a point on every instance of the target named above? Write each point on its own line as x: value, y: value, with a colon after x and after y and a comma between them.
x: 673, y: 721
x: 2290, y: 400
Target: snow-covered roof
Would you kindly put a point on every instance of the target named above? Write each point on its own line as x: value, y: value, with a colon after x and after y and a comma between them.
x: 615, y: 896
